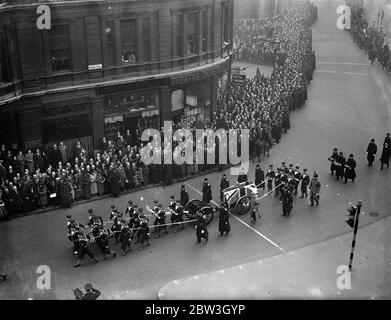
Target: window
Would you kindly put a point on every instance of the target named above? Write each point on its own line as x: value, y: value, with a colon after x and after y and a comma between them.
x: 147, y: 39
x: 225, y: 23
x: 67, y: 128
x: 192, y: 33
x: 59, y: 47
x: 205, y: 31
x: 129, y: 41
x: 3, y: 63
x: 179, y: 40
x: 110, y: 41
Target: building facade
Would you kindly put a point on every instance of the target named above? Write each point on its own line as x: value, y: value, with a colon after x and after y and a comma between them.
x: 107, y: 66
x: 256, y: 9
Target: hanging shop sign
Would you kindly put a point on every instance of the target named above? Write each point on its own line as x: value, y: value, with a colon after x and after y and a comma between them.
x: 95, y: 66
x: 151, y: 113
x: 114, y: 119
x: 191, y: 101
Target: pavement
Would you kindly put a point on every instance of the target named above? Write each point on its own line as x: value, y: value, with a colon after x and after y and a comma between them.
x: 307, y: 273
x: 348, y: 104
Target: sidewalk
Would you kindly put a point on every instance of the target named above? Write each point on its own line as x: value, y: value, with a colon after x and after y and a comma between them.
x: 307, y: 273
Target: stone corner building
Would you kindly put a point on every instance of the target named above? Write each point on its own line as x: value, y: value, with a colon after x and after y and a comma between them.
x: 255, y: 9
x: 107, y: 66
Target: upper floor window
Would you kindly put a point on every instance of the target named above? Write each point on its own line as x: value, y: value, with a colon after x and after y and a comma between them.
x: 110, y: 42
x: 129, y: 41
x: 147, y: 39
x: 59, y: 47
x: 179, y: 39
x: 3, y: 63
x: 192, y: 27
x: 205, y: 31
x: 225, y: 18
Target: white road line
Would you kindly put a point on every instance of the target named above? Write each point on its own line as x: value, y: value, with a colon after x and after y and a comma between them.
x: 325, y: 71
x: 344, y: 73
x: 241, y: 221
x: 356, y: 73
x: 343, y: 63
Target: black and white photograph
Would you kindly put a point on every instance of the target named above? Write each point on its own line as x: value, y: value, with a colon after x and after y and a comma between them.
x: 207, y: 151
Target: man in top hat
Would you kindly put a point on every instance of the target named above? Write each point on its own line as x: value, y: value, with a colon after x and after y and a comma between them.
x: 224, y: 184
x: 184, y: 197
x: 350, y: 172
x: 371, y: 152
x: 340, y: 163
x: 206, y: 191
x: 287, y: 202
x: 314, y: 190
x: 305, y: 181
x: 224, y: 225
x: 387, y: 139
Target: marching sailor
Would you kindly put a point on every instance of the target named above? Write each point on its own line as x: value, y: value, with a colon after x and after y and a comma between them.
x: 201, y: 231
x: 82, y: 248
x: 125, y: 237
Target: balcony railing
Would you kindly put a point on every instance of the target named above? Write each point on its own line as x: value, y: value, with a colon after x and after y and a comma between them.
x: 118, y: 72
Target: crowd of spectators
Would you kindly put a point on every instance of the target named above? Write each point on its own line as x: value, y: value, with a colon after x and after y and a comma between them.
x: 263, y: 105
x: 370, y: 38
x: 35, y: 180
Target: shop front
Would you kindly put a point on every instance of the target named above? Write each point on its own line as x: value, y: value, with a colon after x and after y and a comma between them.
x: 68, y: 124
x: 191, y: 106
x: 133, y: 111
